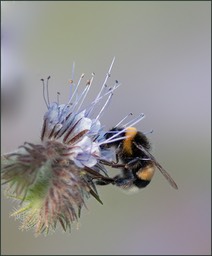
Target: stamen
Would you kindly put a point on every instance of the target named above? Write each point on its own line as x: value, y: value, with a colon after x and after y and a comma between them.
x: 44, y: 92
x: 151, y: 131
x: 109, y: 140
x: 90, y: 108
x: 84, y: 92
x: 105, y: 105
x: 46, y: 98
x: 130, y: 114
x: 88, y: 85
x: 106, y: 78
x: 76, y: 89
x: 71, y: 81
x: 73, y: 70
x: 47, y: 89
x: 113, y: 140
x: 58, y: 96
x: 135, y: 120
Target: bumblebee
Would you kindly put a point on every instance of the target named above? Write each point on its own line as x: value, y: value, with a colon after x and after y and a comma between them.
x: 137, y: 163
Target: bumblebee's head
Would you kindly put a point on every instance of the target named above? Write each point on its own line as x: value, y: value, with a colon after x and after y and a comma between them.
x: 125, y: 137
x: 111, y: 133
x: 128, y: 132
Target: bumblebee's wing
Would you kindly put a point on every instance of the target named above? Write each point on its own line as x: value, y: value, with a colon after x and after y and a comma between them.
x: 160, y: 168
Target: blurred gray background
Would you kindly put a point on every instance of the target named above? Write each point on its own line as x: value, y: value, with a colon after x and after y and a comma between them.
x: 163, y: 52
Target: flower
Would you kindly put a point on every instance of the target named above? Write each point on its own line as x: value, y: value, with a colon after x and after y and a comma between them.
x: 52, y: 179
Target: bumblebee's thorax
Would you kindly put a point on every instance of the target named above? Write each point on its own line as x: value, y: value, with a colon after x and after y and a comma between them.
x: 128, y: 142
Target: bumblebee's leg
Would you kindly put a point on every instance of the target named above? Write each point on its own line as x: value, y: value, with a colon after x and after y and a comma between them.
x: 124, y: 180
x: 104, y: 182
x: 117, y: 159
x: 112, y: 164
x: 133, y: 161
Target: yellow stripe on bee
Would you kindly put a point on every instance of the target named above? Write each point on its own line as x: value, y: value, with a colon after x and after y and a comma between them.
x: 130, y: 135
x: 146, y: 173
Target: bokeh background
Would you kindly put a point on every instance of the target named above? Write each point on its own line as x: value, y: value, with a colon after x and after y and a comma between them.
x: 163, y: 59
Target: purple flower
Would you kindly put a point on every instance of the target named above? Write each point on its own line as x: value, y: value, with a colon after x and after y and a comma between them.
x: 53, y: 178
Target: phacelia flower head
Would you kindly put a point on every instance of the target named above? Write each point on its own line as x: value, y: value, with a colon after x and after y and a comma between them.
x: 52, y: 179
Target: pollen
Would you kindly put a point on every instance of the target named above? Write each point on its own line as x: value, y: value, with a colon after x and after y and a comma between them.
x: 130, y: 135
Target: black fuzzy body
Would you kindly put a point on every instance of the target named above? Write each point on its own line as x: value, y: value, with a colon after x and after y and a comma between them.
x: 135, y: 159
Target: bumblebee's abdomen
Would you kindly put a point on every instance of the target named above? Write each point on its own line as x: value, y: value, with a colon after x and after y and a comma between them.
x: 143, y: 176
x: 141, y: 183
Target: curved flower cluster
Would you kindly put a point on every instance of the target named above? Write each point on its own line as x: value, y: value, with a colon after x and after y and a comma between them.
x: 52, y: 179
